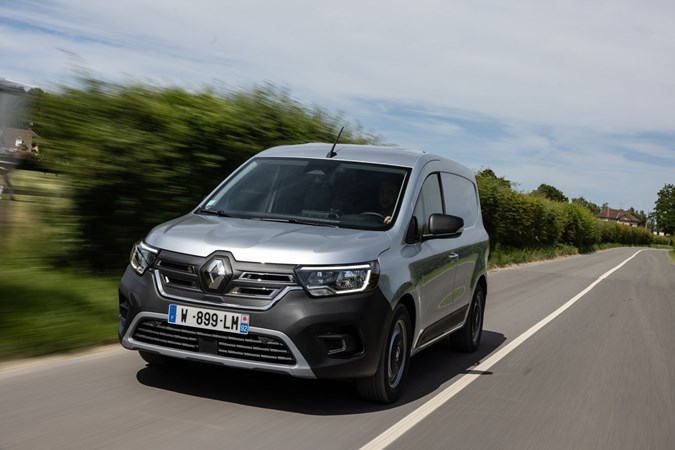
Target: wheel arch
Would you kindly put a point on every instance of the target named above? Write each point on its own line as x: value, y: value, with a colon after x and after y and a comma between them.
x: 408, y: 301
x: 482, y: 282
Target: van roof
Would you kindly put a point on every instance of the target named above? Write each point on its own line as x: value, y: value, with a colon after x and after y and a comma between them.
x: 395, y: 156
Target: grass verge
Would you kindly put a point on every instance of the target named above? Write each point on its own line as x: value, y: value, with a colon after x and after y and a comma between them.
x: 505, y: 256
x: 45, y: 311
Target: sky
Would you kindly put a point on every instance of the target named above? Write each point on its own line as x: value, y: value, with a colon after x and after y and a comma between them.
x: 577, y: 95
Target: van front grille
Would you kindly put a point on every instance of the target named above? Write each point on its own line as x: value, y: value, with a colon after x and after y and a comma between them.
x: 248, y: 347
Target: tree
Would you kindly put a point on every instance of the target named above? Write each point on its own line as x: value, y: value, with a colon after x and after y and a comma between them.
x: 488, y: 174
x: 651, y: 221
x: 639, y: 215
x: 551, y: 193
x: 664, y: 209
x: 592, y: 207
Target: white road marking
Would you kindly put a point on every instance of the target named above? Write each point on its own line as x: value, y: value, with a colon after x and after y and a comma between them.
x: 402, y: 426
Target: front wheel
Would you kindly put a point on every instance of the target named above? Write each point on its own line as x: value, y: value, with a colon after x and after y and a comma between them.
x: 468, y: 337
x: 387, y: 383
x: 155, y: 359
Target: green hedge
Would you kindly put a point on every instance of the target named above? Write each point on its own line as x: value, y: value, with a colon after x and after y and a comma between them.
x: 517, y: 220
x: 136, y: 156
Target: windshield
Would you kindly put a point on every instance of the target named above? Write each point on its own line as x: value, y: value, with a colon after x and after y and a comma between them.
x: 322, y: 192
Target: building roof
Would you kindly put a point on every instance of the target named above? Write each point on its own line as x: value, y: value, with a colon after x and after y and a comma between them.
x: 618, y: 215
x: 10, y: 135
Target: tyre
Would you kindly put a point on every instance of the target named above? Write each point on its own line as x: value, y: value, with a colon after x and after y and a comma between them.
x: 155, y: 359
x: 468, y: 337
x: 387, y: 383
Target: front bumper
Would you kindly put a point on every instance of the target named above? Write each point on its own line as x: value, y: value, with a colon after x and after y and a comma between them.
x: 331, y: 337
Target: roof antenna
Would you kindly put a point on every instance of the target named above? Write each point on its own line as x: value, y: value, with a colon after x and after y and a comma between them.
x: 332, y: 153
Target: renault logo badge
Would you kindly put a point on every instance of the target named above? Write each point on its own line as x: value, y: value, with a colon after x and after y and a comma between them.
x: 217, y: 273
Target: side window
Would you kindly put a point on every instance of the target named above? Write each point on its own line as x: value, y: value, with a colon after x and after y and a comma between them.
x: 460, y: 198
x: 429, y: 202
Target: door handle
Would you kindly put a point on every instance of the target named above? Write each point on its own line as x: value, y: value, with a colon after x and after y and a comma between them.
x: 453, y: 257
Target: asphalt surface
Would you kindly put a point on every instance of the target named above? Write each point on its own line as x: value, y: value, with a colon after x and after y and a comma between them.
x: 601, y: 375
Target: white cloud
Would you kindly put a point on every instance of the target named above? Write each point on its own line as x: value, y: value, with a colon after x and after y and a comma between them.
x: 609, y: 66
x: 523, y: 85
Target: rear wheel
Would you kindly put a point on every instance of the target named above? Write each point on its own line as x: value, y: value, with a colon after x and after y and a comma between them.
x: 386, y: 385
x: 468, y: 337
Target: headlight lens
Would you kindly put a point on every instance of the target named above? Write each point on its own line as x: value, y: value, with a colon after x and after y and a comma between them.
x: 332, y: 280
x: 142, y: 256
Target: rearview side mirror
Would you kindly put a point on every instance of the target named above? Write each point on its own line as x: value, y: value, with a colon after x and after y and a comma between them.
x: 444, y: 226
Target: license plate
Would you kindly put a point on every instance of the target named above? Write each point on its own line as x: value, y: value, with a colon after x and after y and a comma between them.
x: 209, y: 319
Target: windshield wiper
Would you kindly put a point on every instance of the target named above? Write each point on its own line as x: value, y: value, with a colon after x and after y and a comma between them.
x: 221, y: 213
x: 216, y: 212
x: 301, y: 222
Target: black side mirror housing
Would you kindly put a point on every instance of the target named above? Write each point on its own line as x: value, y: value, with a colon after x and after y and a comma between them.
x: 444, y: 226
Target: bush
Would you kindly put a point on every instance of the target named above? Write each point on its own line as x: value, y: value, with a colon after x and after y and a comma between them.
x: 581, y: 229
x: 611, y: 232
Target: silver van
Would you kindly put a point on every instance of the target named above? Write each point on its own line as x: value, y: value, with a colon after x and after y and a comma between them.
x: 316, y: 262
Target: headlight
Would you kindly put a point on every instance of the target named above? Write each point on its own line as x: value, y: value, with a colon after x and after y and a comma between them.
x: 142, y: 256
x: 332, y: 280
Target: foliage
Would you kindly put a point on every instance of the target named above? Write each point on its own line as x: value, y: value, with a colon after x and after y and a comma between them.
x: 520, y: 221
x: 493, y: 194
x: 43, y: 309
x: 611, y: 232
x: 641, y: 216
x: 664, y: 209
x: 592, y: 207
x: 35, y: 227
x: 503, y: 256
x: 137, y: 156
x: 551, y: 193
x: 55, y: 312
x: 581, y: 230
x: 488, y: 174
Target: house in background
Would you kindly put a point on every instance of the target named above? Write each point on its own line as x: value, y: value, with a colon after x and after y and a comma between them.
x: 15, y: 139
x: 618, y: 216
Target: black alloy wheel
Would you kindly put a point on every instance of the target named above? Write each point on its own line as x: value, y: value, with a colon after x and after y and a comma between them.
x: 467, y: 339
x: 387, y: 383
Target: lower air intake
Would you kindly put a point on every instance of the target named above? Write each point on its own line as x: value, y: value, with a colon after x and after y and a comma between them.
x: 249, y: 347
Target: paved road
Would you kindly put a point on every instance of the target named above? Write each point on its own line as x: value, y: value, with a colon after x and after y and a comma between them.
x: 601, y: 375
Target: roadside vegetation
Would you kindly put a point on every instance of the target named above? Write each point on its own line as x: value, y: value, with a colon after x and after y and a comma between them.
x: 44, y: 309
x: 117, y: 160
x: 527, y: 227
